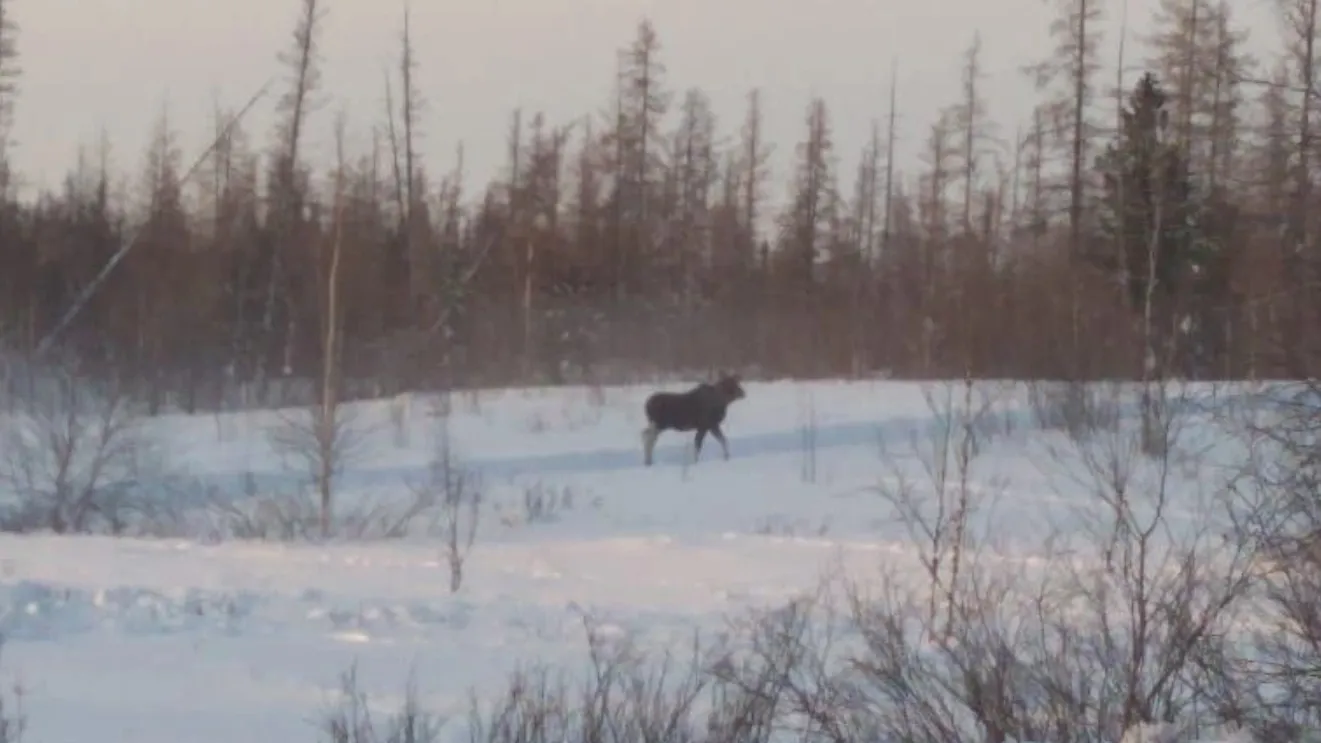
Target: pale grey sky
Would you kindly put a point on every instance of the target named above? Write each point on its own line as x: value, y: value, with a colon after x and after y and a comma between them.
x: 89, y: 64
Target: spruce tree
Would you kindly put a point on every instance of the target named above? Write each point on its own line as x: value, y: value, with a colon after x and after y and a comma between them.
x: 1149, y: 216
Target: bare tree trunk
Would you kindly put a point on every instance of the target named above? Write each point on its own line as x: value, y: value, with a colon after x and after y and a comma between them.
x: 528, y: 283
x: 418, y: 257
x: 289, y: 200
x: 330, y: 346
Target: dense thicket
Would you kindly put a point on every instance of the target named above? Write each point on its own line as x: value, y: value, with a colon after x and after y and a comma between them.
x: 1162, y: 221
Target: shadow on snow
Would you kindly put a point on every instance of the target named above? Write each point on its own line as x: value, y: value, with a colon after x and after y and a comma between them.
x: 872, y: 434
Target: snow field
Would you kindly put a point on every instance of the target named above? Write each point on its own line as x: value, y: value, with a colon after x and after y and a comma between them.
x: 184, y: 639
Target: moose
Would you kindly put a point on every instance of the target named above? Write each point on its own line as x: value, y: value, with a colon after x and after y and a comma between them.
x: 702, y: 409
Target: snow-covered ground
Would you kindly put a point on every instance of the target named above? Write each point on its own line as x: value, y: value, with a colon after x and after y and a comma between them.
x: 230, y: 640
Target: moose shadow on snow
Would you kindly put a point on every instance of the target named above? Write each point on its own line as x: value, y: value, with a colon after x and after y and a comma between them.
x: 611, y: 459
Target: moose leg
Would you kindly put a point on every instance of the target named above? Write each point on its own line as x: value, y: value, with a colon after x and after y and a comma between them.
x: 649, y: 436
x: 697, y: 444
x: 720, y: 436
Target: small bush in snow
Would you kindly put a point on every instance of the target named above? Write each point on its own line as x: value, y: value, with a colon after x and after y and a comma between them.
x: 322, y: 442
x: 626, y: 696
x: 296, y: 516
x: 74, y: 458
x: 456, y: 492
x: 545, y: 503
x: 351, y: 719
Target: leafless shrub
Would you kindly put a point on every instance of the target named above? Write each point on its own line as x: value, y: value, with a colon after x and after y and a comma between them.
x: 392, y: 517
x: 770, y: 680
x: 782, y: 676
x: 533, y: 708
x: 279, y: 517
x: 540, y: 503
x: 1151, y: 570
x: 1136, y: 481
x: 970, y: 684
x: 627, y: 696
x: 456, y: 491
x: 1022, y: 655
x: 351, y: 720
x: 322, y: 441
x: 937, y: 513
x: 295, y: 515
x: 1273, y: 686
x: 1025, y: 656
x: 1119, y: 619
x: 544, y: 503
x: 74, y: 457
x: 167, y: 505
x: 1016, y: 664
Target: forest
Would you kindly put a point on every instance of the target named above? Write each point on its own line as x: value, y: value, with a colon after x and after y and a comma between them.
x: 1157, y: 217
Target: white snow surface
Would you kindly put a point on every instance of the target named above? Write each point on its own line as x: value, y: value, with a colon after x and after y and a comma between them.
x: 169, y: 639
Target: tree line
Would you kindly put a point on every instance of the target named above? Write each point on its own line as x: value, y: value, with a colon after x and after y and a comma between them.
x: 1154, y: 217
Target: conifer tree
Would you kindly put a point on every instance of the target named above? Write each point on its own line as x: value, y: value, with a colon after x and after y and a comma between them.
x: 804, y: 224
x: 1148, y: 205
x: 1154, y: 223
